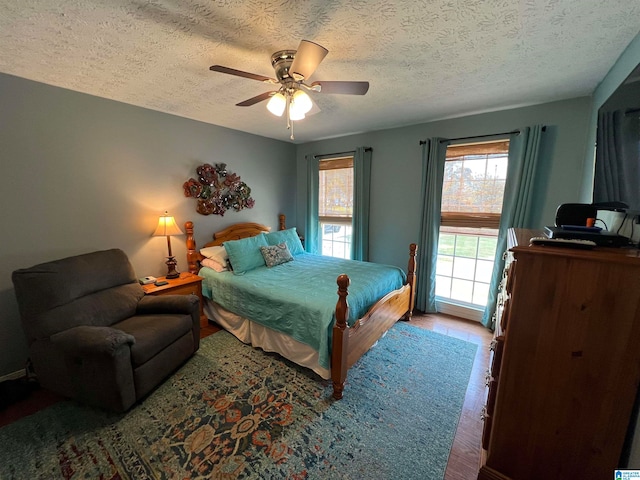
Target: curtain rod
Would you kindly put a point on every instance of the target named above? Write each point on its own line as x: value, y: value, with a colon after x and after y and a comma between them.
x: 423, y: 142
x: 366, y: 149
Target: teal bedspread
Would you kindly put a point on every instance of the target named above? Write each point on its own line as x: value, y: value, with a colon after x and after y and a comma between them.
x: 299, y: 297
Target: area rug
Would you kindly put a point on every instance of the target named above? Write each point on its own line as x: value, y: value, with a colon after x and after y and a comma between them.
x: 235, y: 412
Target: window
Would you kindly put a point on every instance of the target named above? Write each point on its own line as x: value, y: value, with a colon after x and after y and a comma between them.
x: 335, y: 206
x: 472, y: 191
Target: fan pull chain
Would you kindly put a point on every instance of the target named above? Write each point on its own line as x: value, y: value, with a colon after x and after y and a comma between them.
x: 289, y: 121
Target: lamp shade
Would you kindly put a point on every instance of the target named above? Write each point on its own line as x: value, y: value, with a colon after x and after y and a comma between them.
x: 167, y: 226
x: 277, y: 104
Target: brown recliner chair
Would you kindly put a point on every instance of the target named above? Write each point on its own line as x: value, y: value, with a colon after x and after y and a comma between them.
x: 94, y: 336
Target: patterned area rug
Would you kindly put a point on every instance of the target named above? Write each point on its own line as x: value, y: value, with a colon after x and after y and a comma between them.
x: 233, y: 411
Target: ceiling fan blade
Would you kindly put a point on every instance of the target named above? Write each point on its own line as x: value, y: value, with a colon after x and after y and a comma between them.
x: 256, y: 99
x: 240, y: 73
x: 347, y: 88
x: 308, y: 57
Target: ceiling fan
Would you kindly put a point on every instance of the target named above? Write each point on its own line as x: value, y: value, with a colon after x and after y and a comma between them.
x: 293, y: 68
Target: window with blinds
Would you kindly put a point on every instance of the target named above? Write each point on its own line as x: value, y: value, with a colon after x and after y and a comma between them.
x: 335, y: 205
x: 473, y: 186
x: 472, y: 191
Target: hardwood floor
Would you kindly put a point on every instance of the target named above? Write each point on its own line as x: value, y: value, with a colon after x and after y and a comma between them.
x: 464, y: 459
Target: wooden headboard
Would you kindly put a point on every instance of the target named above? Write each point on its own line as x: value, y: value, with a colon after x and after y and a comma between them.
x: 234, y: 232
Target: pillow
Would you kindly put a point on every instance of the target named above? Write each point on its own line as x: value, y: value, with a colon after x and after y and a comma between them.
x: 244, y: 254
x: 211, y: 263
x: 276, y: 254
x: 218, y: 254
x: 288, y: 236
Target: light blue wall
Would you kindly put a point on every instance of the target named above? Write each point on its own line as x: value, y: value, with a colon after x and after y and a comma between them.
x: 396, y: 167
x: 80, y: 173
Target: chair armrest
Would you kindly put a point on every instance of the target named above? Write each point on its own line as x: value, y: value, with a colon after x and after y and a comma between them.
x: 90, y: 340
x: 185, y: 304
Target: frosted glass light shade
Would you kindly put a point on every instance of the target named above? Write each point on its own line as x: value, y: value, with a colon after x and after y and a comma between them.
x: 295, y: 114
x: 301, y: 101
x: 277, y: 104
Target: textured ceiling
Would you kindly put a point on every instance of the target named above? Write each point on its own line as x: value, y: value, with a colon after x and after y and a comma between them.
x: 425, y: 59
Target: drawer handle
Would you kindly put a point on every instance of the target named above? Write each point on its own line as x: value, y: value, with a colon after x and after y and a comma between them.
x: 483, y: 413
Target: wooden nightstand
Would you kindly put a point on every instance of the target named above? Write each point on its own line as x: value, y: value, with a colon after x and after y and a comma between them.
x: 186, y: 284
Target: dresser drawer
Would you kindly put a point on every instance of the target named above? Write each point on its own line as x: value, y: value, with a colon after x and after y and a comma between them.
x: 486, y: 430
x: 497, y: 347
x: 511, y: 275
x: 504, y: 318
x: 491, y: 397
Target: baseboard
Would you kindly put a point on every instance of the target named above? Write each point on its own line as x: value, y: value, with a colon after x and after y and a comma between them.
x: 13, y: 376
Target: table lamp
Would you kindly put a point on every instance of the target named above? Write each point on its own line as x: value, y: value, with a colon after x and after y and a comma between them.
x: 167, y: 227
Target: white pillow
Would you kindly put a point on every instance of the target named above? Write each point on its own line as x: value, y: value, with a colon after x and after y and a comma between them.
x: 211, y: 263
x: 218, y: 253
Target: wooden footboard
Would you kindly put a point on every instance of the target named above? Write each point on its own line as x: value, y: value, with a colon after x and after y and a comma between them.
x: 350, y: 343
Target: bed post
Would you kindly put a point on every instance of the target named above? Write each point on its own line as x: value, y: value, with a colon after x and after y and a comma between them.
x: 192, y: 253
x: 340, y: 339
x: 411, y: 279
x: 282, y: 224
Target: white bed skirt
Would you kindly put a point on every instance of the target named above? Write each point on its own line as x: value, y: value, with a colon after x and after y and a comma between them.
x: 265, y: 338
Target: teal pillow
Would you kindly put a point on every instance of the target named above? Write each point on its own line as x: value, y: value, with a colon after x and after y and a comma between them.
x: 288, y: 236
x: 245, y: 254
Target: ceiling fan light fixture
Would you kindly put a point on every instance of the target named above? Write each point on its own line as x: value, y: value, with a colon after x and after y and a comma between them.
x: 277, y: 103
x: 301, y: 101
x: 292, y: 68
x: 295, y: 114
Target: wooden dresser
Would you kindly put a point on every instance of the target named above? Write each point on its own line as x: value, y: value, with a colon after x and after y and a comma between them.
x: 565, y: 365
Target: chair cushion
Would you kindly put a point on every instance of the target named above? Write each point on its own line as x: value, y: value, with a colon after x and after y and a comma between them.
x: 100, y: 309
x: 153, y: 333
x: 52, y: 284
x: 98, y: 288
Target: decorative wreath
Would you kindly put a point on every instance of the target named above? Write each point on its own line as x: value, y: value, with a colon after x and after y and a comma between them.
x: 218, y: 190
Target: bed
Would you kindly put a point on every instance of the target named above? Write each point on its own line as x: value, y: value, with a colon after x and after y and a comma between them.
x: 292, y: 308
